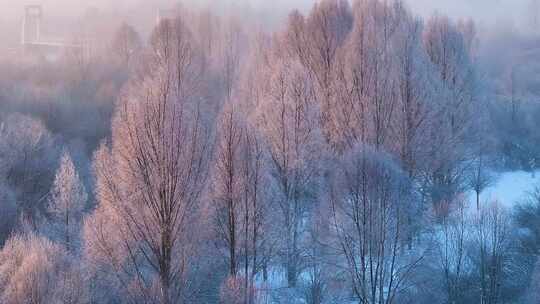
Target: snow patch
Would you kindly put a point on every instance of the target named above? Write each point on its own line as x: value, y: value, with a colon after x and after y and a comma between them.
x: 510, y: 188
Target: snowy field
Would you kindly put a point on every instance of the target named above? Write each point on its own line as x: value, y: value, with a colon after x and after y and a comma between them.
x: 510, y: 188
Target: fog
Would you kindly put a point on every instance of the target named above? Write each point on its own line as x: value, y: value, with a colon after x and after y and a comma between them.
x: 63, y: 18
x: 478, y: 8
x: 486, y: 12
x: 256, y: 151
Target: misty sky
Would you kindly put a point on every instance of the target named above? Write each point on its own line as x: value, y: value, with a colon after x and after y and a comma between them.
x: 486, y: 12
x: 492, y: 9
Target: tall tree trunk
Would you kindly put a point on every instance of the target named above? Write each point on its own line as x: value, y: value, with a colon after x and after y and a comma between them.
x: 478, y: 200
x: 165, y: 267
x: 67, y: 229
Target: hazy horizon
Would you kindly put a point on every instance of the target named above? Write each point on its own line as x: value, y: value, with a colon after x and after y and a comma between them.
x: 483, y: 11
x: 63, y: 18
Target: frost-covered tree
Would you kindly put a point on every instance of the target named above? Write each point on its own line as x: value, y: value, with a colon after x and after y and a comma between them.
x: 414, y: 107
x: 126, y: 44
x: 231, y: 47
x: 369, y: 198
x: 479, y: 176
x: 258, y: 237
x: 368, y: 74
x: 527, y: 217
x: 315, y: 42
x: 493, y: 240
x: 35, y: 270
x: 449, y: 50
x: 27, y: 156
x: 533, y: 294
x: 228, y: 185
x: 8, y: 211
x: 288, y: 120
x: 67, y: 202
x: 150, y: 181
x: 451, y: 239
x: 228, y: 176
x: 239, y: 200
x: 475, y: 255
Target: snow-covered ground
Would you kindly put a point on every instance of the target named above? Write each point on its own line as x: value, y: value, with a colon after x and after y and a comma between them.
x: 510, y: 188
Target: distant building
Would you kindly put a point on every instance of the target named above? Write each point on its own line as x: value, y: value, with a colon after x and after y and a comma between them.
x: 31, y: 27
x: 35, y: 45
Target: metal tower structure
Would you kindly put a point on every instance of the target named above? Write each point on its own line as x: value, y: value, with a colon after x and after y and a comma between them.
x: 31, y: 27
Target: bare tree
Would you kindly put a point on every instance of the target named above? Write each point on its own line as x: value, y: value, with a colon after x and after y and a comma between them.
x: 475, y: 248
x: 451, y: 250
x: 413, y: 109
x: 533, y: 295
x: 257, y: 241
x: 492, y: 234
x: 367, y: 75
x: 369, y: 198
x: 287, y: 119
x: 241, y: 202
x: 315, y: 42
x: 230, y: 52
x: 479, y: 177
x: 149, y: 184
x: 227, y: 185
x: 449, y: 50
